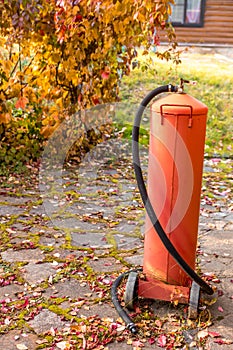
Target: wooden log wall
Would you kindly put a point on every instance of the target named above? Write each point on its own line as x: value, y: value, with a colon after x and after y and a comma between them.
x: 218, y: 25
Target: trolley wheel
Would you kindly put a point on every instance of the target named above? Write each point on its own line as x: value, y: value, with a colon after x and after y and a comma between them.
x: 194, y: 301
x: 131, y: 290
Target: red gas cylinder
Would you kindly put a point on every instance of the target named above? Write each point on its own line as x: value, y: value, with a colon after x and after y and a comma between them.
x: 176, y: 152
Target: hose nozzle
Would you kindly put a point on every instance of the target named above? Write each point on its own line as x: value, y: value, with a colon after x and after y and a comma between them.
x: 182, y: 82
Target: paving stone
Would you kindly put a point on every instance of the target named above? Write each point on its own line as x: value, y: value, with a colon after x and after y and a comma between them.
x: 227, y: 285
x: 229, y: 226
x: 9, y: 341
x: 80, y: 208
x: 43, y: 229
x: 219, y: 224
x: 18, y: 226
x: 28, y: 255
x: 153, y: 347
x: 225, y: 330
x: 229, y: 217
x: 65, y: 254
x: 74, y: 223
x: 125, y: 242
x: 105, y: 265
x: 220, y: 309
x: 163, y: 309
x: 16, y: 200
x: 38, y: 210
x: 203, y: 227
x: 87, y: 239
x: 124, y: 346
x: 219, y: 215
x: 46, y: 320
x: 135, y: 260
x: 227, y: 322
x: 211, y: 344
x: 70, y: 288
x: 18, y: 240
x: 126, y: 196
x: 102, y: 310
x: 88, y: 190
x: 127, y: 186
x: 128, y: 228
x: 214, y: 265
x: 10, y: 291
x: 13, y: 210
x: 51, y: 241
x: 227, y: 271
x: 218, y: 242
x: 35, y: 273
x: 117, y: 345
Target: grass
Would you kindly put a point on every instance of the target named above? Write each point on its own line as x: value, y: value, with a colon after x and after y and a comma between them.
x: 214, y: 76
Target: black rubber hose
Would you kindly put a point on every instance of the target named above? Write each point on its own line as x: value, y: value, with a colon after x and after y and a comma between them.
x: 143, y: 191
x: 122, y: 313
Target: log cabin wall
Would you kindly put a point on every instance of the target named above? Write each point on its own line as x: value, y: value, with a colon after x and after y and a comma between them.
x: 217, y: 28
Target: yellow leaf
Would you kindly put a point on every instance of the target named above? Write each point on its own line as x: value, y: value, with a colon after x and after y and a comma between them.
x: 75, y: 10
x: 59, y: 102
x: 53, y: 110
x: 5, y: 118
x: 48, y: 130
x: 6, y: 65
x: 55, y: 58
x: 141, y: 17
x: 75, y: 81
x: 169, y: 10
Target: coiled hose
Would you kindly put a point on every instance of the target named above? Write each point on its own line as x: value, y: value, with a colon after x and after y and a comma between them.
x: 122, y: 313
x: 150, y: 211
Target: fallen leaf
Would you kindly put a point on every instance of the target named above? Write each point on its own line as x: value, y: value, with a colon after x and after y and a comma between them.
x: 62, y: 345
x: 42, y: 341
x: 21, y: 347
x: 216, y: 280
x: 158, y: 323
x: 220, y: 309
x: 202, y: 334
x: 120, y: 328
x: 214, y: 334
x: 137, y: 344
x: 223, y: 341
x: 151, y: 341
x: 162, y: 341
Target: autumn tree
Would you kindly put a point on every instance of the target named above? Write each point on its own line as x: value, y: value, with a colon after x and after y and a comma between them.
x: 61, y: 56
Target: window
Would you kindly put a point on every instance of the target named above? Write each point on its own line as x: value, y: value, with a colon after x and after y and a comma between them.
x: 188, y: 13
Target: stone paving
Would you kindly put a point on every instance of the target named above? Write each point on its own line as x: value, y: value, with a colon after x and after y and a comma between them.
x: 97, y: 218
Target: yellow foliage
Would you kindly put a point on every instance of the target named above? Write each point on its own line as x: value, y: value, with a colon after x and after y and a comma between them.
x: 75, y: 10
x: 60, y: 57
x: 6, y: 65
x: 55, y: 58
x: 48, y: 130
x: 59, y: 102
x: 5, y: 118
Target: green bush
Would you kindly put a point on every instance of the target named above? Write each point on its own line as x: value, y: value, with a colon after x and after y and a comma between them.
x: 21, y: 141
